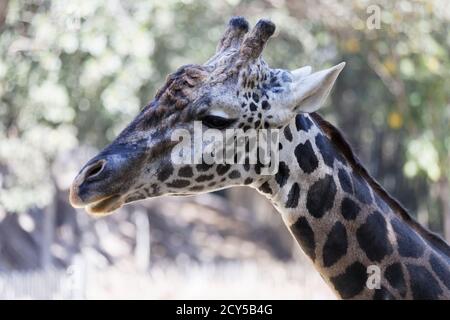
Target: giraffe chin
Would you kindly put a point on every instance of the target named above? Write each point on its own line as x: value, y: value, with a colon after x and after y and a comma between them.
x: 105, y: 206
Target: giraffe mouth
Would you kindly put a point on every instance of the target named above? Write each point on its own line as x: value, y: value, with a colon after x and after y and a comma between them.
x: 105, y: 206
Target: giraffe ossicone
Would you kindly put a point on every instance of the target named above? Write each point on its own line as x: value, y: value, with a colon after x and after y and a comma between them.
x: 341, y: 217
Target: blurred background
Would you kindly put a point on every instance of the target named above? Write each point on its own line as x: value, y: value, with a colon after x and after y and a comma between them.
x: 74, y: 73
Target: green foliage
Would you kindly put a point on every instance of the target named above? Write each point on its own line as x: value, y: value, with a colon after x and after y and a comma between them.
x: 76, y: 73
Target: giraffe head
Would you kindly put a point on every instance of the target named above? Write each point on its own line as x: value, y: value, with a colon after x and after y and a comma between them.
x: 235, y: 89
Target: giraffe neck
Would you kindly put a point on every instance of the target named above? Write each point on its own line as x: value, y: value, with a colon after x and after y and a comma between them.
x: 353, y: 237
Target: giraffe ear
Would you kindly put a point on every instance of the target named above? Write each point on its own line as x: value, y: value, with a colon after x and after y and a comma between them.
x: 310, y: 90
x: 302, y: 72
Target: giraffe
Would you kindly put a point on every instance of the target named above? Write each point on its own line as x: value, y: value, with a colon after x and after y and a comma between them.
x: 343, y: 220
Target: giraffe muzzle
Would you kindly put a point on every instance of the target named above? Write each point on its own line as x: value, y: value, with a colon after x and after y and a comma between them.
x: 94, y: 188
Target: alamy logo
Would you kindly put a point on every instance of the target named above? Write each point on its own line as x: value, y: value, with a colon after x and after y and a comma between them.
x: 374, y: 19
x: 374, y: 277
x: 232, y: 146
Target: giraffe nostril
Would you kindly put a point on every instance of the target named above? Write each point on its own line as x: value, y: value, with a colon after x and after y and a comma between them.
x: 94, y: 170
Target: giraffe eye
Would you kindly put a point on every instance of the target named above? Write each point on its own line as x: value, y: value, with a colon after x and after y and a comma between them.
x: 217, y: 122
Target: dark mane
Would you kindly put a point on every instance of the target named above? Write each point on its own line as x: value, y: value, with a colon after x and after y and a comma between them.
x: 341, y: 144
